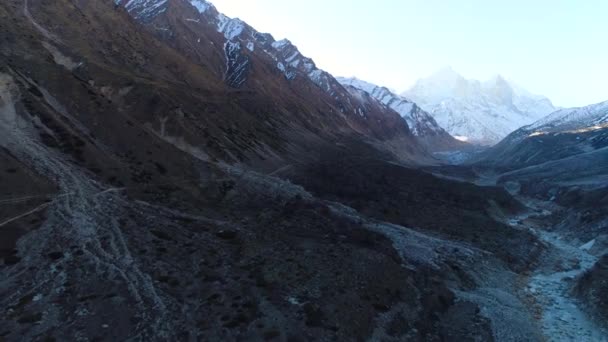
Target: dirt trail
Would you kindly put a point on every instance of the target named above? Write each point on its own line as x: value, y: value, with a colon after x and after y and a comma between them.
x: 85, y: 214
x: 42, y: 30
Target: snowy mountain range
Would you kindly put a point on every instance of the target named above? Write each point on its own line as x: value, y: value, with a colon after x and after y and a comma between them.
x: 478, y: 112
x: 421, y: 123
x: 244, y: 47
x: 583, y: 118
x: 239, y: 35
x: 563, y: 134
x: 437, y: 109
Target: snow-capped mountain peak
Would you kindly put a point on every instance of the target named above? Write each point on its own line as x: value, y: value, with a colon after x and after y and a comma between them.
x: 446, y: 75
x: 479, y: 112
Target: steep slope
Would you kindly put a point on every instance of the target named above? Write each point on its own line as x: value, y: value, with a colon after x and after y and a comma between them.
x: 478, y: 112
x: 574, y: 119
x: 143, y: 197
x: 254, y: 65
x: 422, y: 125
x: 564, y: 160
x: 564, y: 134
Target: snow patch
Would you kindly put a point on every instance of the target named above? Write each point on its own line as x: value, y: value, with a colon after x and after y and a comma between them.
x: 200, y: 5
x: 587, y: 247
x: 280, y: 44
x: 318, y: 77
x: 146, y: 9
x: 237, y: 64
x: 231, y: 28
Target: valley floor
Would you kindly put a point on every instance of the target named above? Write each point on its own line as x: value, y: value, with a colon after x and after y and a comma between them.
x: 550, y: 286
x: 548, y: 289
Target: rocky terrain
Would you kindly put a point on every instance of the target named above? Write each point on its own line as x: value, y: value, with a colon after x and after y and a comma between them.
x: 592, y: 289
x: 169, y: 173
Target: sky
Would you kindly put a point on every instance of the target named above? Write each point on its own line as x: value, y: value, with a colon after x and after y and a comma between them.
x: 556, y: 48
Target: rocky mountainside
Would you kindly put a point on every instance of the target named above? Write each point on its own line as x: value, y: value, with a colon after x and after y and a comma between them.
x: 154, y: 170
x: 167, y: 173
x: 422, y: 124
x: 478, y: 112
x: 574, y: 119
x: 568, y: 133
x: 253, y: 63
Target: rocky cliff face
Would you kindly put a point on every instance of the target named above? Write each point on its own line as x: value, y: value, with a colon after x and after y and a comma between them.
x: 421, y: 123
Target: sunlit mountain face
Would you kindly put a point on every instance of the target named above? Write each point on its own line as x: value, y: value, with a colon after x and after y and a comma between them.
x: 480, y: 112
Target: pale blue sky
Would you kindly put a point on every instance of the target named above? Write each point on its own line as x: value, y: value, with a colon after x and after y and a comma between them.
x: 557, y: 48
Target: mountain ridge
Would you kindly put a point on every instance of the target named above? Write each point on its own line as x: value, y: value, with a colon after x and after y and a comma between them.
x: 256, y: 62
x: 252, y: 57
x: 566, y: 133
x: 422, y: 124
